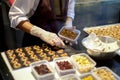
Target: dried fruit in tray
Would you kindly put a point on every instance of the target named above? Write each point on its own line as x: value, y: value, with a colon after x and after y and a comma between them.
x: 64, y: 66
x: 22, y: 57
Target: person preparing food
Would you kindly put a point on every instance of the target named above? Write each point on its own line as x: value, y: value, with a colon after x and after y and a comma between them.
x: 41, y: 19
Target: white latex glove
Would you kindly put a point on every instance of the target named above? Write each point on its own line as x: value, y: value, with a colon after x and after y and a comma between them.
x: 68, y: 25
x: 48, y: 37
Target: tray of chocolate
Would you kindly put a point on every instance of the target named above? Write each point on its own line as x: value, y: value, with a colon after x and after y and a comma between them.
x: 23, y: 57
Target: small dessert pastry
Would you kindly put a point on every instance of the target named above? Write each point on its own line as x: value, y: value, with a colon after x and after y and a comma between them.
x: 24, y: 58
x: 10, y: 52
x: 46, y: 58
x: 26, y: 63
x: 18, y: 50
x: 47, y: 49
x: 39, y: 51
x: 36, y: 47
x: 63, y: 54
x: 12, y: 56
x: 36, y: 59
x: 33, y: 56
x: 13, y: 61
x: 27, y: 48
x: 21, y: 54
x: 60, y: 51
x: 43, y: 55
x: 17, y: 65
x: 55, y: 56
x: 51, y: 52
x: 30, y: 52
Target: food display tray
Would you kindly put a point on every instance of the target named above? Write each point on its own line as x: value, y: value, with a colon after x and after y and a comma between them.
x: 112, y: 30
x: 22, y: 57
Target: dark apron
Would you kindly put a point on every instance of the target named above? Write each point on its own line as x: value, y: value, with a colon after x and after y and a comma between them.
x: 46, y: 17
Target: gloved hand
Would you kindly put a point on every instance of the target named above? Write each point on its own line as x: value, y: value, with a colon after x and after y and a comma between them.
x: 48, y: 37
x: 68, y: 25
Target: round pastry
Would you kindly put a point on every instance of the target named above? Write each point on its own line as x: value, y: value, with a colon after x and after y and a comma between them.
x: 43, y: 55
x: 10, y: 52
x: 51, y: 52
x: 21, y: 54
x: 12, y: 56
x: 36, y: 47
x: 27, y: 48
x: 26, y: 63
x: 13, y: 61
x: 33, y: 56
x: 55, y: 56
x: 18, y: 50
x: 47, y: 49
x: 64, y: 54
x: 39, y: 51
x: 60, y: 51
x: 46, y: 58
x: 24, y: 58
x: 30, y: 52
x: 36, y: 59
x: 17, y: 65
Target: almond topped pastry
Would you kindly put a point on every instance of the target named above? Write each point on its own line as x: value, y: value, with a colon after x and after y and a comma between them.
x: 108, y: 30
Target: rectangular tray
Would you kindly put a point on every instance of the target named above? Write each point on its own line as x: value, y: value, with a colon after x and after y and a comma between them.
x: 22, y: 57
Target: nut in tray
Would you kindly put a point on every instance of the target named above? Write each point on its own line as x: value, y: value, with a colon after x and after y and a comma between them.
x: 69, y: 35
x: 83, y: 62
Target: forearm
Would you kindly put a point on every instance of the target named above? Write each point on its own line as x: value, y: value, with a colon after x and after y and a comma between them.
x: 48, y: 37
x: 26, y: 26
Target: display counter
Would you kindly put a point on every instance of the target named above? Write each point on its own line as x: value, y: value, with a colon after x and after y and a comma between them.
x: 25, y: 73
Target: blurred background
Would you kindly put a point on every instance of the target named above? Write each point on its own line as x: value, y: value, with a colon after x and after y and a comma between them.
x: 87, y: 13
x: 90, y: 13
